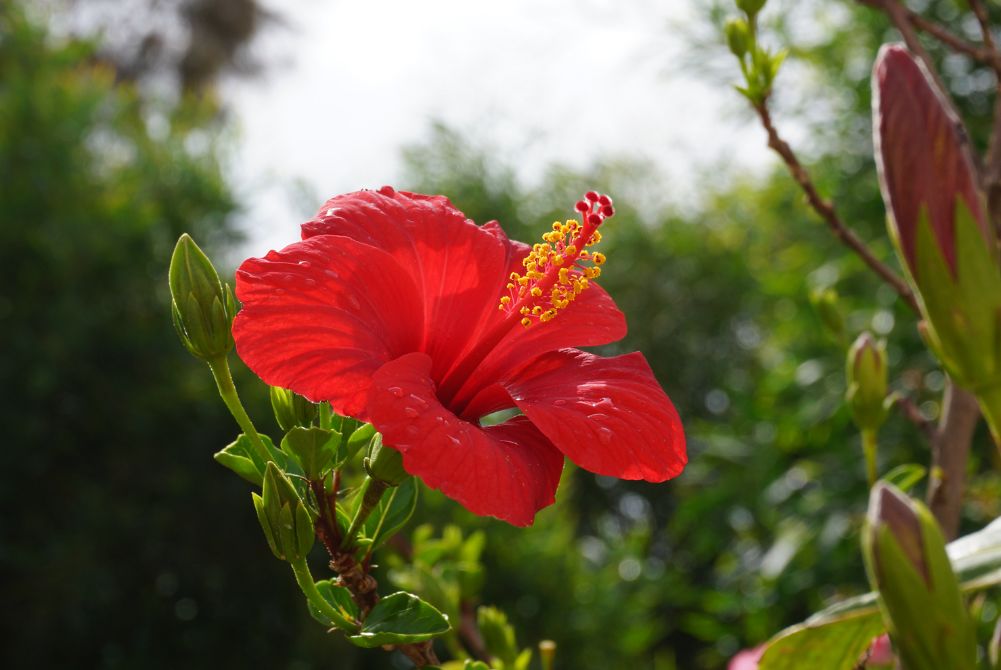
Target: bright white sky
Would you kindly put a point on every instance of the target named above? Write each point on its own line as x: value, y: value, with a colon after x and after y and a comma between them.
x: 347, y: 84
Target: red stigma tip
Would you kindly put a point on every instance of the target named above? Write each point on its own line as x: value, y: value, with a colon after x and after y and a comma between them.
x: 604, y: 200
x: 608, y: 211
x: 594, y: 219
x: 581, y: 206
x: 591, y: 195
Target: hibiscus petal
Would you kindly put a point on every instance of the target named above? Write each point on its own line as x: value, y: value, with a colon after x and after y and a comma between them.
x: 458, y: 267
x: 509, y: 471
x: 320, y: 316
x: 592, y: 319
x: 608, y: 415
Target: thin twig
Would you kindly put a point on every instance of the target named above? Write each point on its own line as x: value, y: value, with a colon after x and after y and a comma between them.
x: 827, y: 212
x: 984, y: 55
x: 985, y: 24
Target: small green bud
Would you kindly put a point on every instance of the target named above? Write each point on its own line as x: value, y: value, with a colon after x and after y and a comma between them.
x: 202, y: 307
x: 751, y: 7
x: 291, y: 409
x: 867, y: 382
x: 286, y: 520
x: 919, y: 594
x: 738, y: 37
x: 825, y: 301
x: 383, y: 463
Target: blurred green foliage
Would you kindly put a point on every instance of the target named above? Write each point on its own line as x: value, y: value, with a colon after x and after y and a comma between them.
x: 126, y: 546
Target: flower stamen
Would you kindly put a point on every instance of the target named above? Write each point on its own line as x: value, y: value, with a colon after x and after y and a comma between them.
x: 555, y: 273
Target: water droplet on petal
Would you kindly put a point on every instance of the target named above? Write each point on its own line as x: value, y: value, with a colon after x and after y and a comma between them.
x: 456, y: 441
x: 411, y: 412
x: 305, y: 264
x: 418, y: 401
x: 332, y: 274
x: 560, y: 402
x: 597, y: 417
x: 353, y: 302
x: 413, y: 431
x: 396, y: 391
x: 605, y: 435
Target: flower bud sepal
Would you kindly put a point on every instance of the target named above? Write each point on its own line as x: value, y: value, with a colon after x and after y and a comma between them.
x: 291, y: 409
x: 383, y: 463
x: 287, y: 522
x: 962, y: 309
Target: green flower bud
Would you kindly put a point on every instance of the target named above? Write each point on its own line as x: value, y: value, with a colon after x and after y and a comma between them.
x: 286, y: 520
x: 291, y: 409
x: 738, y: 37
x: 383, y: 463
x: 919, y: 594
x: 202, y: 307
x: 867, y: 382
x: 751, y: 7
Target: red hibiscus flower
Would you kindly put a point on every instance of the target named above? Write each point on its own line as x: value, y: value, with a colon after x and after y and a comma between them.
x: 401, y: 312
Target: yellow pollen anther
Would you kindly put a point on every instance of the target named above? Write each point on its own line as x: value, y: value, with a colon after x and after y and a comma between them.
x: 553, y: 275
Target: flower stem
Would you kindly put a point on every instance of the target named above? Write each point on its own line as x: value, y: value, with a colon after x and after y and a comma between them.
x: 305, y: 580
x: 371, y: 492
x: 990, y: 405
x: 869, y: 444
x: 227, y: 390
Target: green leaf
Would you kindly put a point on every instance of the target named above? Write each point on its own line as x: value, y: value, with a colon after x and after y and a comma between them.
x: 241, y: 457
x: 906, y: 476
x: 400, y: 618
x: 338, y: 597
x: 359, y: 438
x: 393, y: 511
x: 475, y: 665
x: 316, y: 450
x: 828, y: 638
x: 823, y: 646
